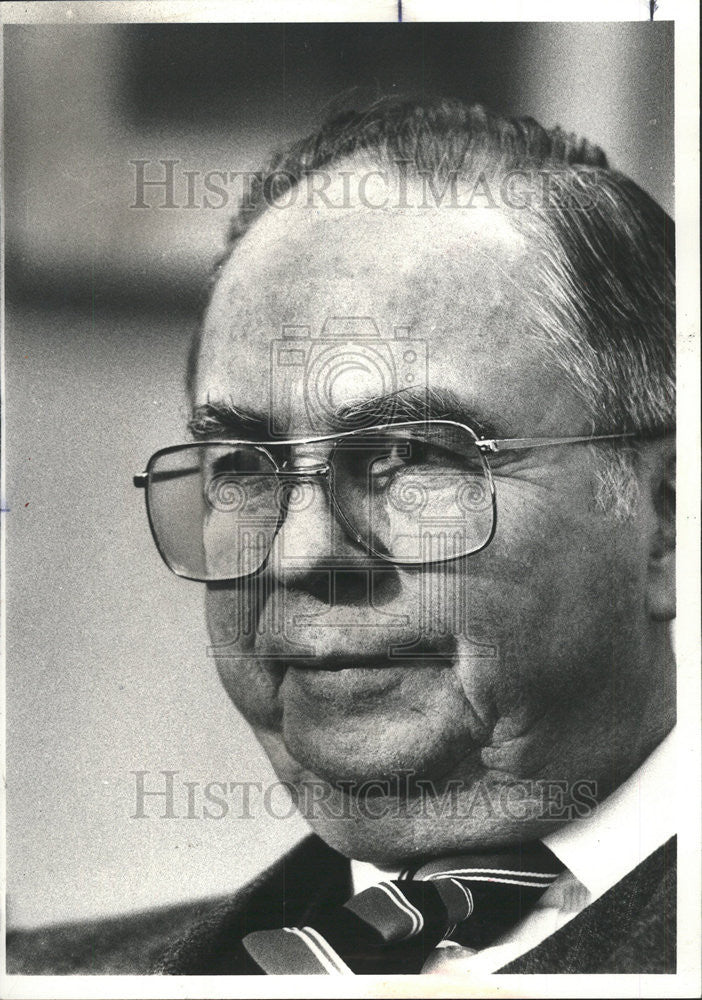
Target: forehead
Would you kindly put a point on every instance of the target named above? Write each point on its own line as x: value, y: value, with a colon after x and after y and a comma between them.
x: 454, y: 283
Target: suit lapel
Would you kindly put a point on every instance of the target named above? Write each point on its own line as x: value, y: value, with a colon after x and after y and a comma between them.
x: 631, y: 929
x: 311, y: 876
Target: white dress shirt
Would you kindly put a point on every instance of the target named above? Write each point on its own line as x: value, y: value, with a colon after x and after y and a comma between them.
x: 598, y: 851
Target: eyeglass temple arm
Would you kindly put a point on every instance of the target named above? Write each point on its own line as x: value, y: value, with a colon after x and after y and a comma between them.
x: 492, y: 445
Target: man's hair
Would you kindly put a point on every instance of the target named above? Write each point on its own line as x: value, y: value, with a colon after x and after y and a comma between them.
x: 603, y: 292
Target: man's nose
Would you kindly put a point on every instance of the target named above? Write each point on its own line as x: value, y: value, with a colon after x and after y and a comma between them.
x: 318, y: 556
x: 312, y: 536
x: 320, y: 562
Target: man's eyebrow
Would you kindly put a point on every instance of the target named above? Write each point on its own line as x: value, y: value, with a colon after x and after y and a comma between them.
x: 423, y: 403
x: 226, y: 420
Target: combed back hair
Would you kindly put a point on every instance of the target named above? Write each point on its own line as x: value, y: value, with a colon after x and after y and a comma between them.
x: 602, y: 296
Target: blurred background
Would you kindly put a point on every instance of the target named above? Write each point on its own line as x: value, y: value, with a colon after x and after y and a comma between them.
x: 106, y: 651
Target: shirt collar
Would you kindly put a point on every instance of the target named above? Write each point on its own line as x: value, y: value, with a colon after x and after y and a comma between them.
x: 625, y: 828
x: 620, y: 833
x: 364, y: 875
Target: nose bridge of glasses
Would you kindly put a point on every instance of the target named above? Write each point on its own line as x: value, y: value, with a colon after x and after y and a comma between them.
x: 308, y: 461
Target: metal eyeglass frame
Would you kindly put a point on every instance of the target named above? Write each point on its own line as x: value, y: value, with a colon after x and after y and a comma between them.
x: 485, y: 446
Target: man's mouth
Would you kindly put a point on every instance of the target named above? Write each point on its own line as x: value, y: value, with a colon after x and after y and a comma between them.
x: 356, y: 677
x: 365, y: 662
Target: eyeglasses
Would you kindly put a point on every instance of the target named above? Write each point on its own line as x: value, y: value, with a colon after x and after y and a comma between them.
x: 412, y: 494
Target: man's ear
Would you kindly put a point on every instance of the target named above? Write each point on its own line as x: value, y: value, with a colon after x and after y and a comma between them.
x: 660, y: 480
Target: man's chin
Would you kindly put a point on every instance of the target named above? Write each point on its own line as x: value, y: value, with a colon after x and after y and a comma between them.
x: 373, y: 807
x: 399, y: 809
x: 392, y: 830
x: 336, y: 725
x: 363, y: 753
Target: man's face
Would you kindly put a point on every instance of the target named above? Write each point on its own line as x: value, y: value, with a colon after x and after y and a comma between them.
x: 523, y: 663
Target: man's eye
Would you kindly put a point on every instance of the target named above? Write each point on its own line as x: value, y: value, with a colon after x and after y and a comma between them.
x: 399, y: 456
x: 236, y: 461
x: 416, y: 455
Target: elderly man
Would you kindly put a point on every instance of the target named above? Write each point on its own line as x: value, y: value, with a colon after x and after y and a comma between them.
x: 429, y: 490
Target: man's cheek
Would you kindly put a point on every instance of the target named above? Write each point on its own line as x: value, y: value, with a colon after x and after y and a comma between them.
x: 231, y: 613
x: 252, y: 685
x: 523, y: 600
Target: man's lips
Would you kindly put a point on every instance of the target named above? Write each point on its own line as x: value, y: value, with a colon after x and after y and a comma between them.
x: 369, y: 655
x: 379, y: 661
x: 354, y: 676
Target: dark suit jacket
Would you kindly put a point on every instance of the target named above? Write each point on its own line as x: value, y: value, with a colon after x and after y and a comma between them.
x: 631, y: 929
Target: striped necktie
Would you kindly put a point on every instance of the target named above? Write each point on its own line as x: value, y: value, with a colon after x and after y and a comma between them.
x: 392, y: 927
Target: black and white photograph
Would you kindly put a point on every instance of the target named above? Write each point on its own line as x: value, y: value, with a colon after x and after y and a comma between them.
x: 348, y: 626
